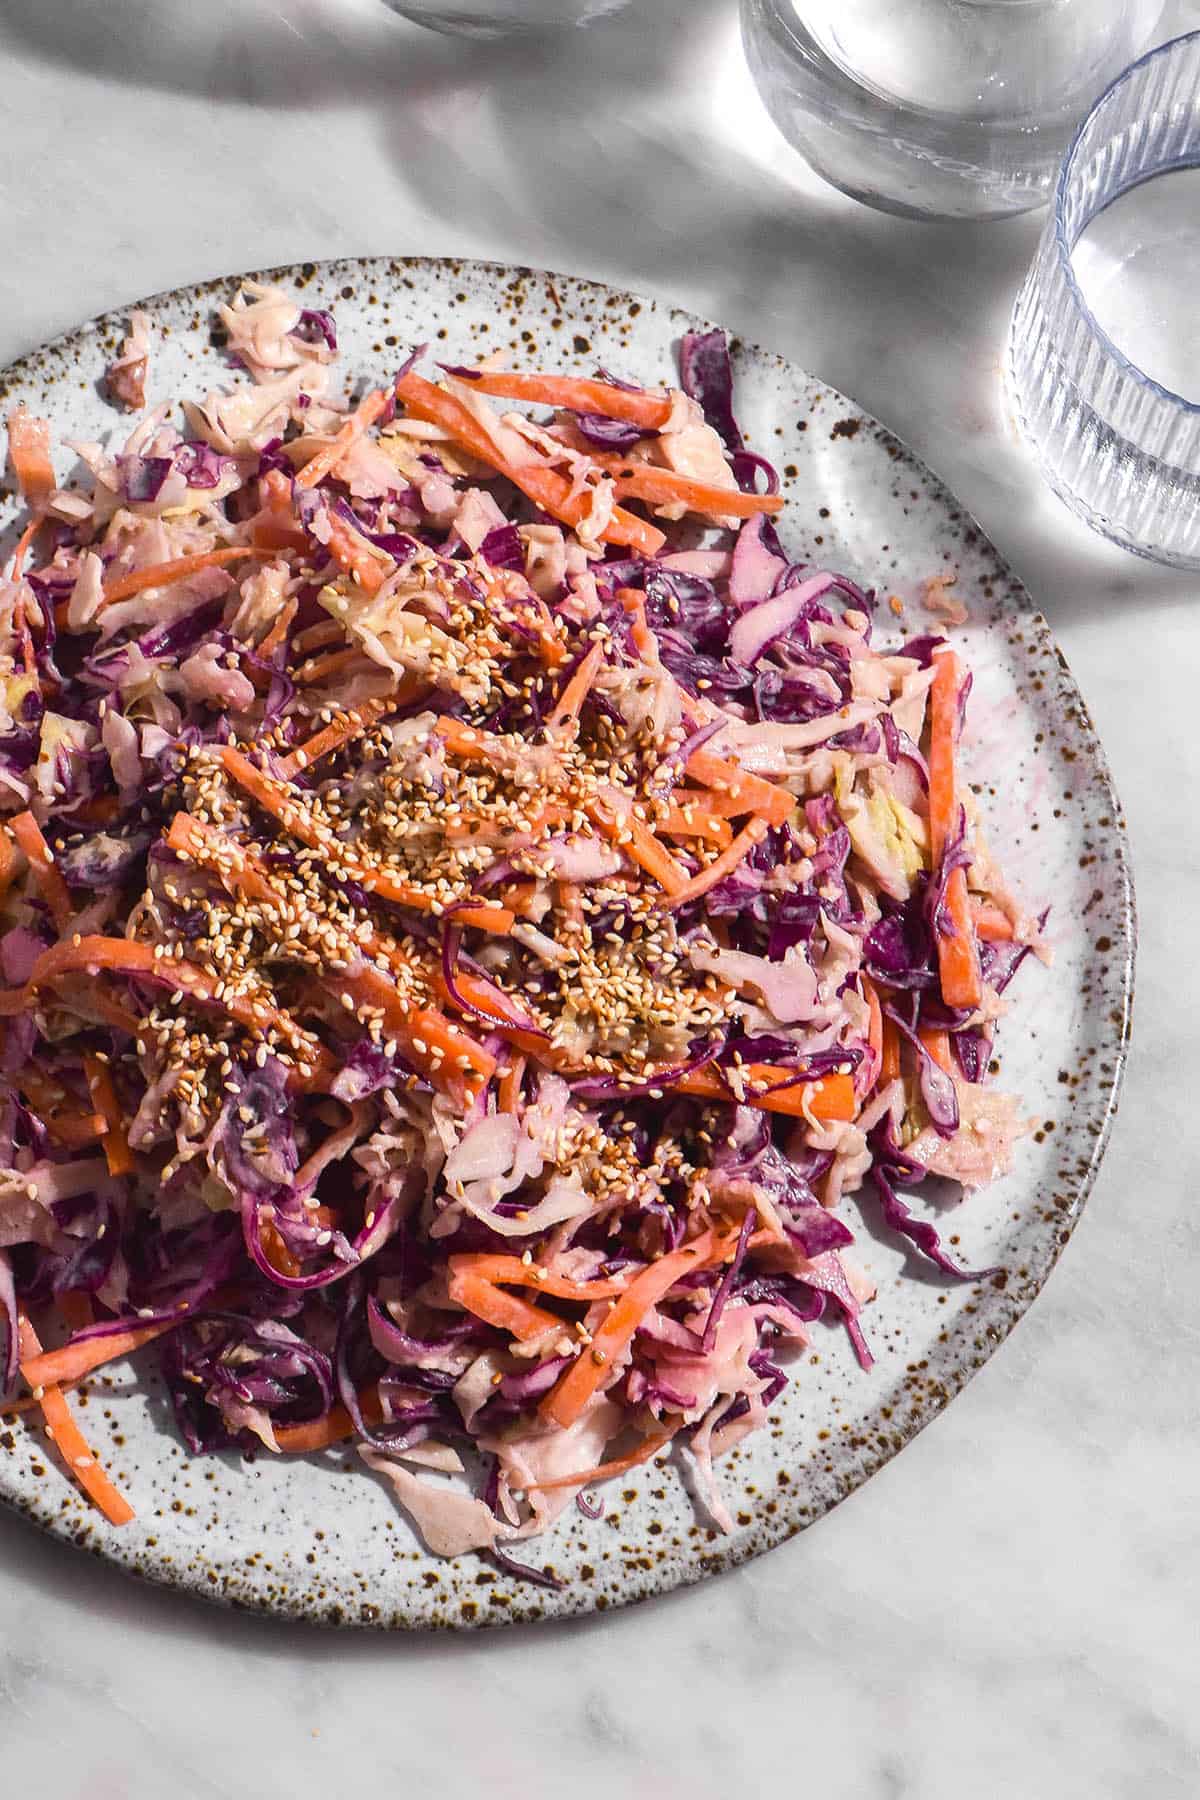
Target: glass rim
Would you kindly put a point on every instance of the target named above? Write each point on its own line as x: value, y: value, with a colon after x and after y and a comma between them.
x: 1065, y: 251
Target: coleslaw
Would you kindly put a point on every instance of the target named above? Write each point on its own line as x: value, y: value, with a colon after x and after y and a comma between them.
x: 477, y: 918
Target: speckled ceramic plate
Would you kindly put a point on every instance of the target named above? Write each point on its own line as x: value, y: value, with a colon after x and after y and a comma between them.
x: 321, y: 1540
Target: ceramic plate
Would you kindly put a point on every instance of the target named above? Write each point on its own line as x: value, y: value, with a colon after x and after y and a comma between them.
x: 321, y: 1540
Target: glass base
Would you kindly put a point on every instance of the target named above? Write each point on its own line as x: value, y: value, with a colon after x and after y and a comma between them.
x: 515, y: 20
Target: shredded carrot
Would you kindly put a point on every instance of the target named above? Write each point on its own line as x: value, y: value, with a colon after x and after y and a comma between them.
x: 597, y: 1364
x: 508, y: 1092
x: 938, y: 1045
x: 29, y: 448
x: 751, y: 835
x: 77, y: 1310
x: 662, y: 487
x: 100, y: 810
x: 283, y: 805
x: 117, y: 1154
x: 74, y: 1361
x: 496, y: 1306
x: 279, y: 629
x: 22, y: 550
x: 603, y: 1471
x: 278, y: 1254
x: 570, y: 904
x: 874, y: 1035
x: 269, y: 535
x: 958, y: 956
x: 67, y: 1438
x: 334, y: 1428
x: 163, y: 574
x: 573, y: 393
x: 687, y: 816
x: 434, y: 1045
x: 644, y: 640
x: 616, y: 820
x: 127, y: 956
x: 775, y: 1089
x: 368, y: 566
x: 737, y: 791
x: 542, y: 484
x: 318, y: 637
x: 325, y: 461
x: 889, y: 1066
x: 575, y: 689
x: 54, y: 890
x: 510, y: 1271
x: 345, y: 728
x: 8, y: 862
x: 992, y: 925
x: 333, y: 663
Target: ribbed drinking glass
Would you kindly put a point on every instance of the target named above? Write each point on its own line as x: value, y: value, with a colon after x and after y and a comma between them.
x: 1103, y: 356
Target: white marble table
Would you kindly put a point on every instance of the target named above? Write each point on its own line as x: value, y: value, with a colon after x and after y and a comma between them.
x: 1010, y: 1607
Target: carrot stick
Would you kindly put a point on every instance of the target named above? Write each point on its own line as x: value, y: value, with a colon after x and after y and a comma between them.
x: 573, y: 1389
x: 687, y: 816
x: 644, y: 640
x: 747, y: 838
x: 742, y: 791
x: 829, y: 1097
x: 22, y: 550
x: 495, y: 1306
x: 326, y: 461
x: 575, y: 689
x: 509, y: 1089
x: 270, y: 535
x: 99, y: 811
x: 938, y: 1045
x: 68, y: 1440
x: 74, y: 1361
x: 163, y: 574
x: 334, y: 662
x: 368, y: 566
x: 616, y: 820
x: 344, y: 729
x: 334, y: 1428
x: 318, y: 637
x: 543, y: 485
x: 660, y: 487
x: 602, y: 1471
x: 8, y: 863
x: 54, y: 890
x: 573, y: 393
x: 117, y: 1154
x: 77, y: 1310
x: 958, y: 956
x: 889, y: 1066
x: 279, y: 629
x: 874, y: 1033
x: 29, y: 448
x: 993, y: 926
x: 509, y: 1271
x: 278, y: 800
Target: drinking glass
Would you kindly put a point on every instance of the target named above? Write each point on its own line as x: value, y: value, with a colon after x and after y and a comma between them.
x: 939, y: 108
x: 502, y: 18
x: 1102, y: 360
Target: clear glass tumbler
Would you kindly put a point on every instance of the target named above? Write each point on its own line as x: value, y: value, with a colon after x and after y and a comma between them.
x: 503, y: 18
x: 939, y: 108
x: 1111, y: 296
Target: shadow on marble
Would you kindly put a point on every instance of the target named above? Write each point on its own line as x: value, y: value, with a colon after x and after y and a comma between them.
x: 36, y: 1565
x: 297, y: 53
